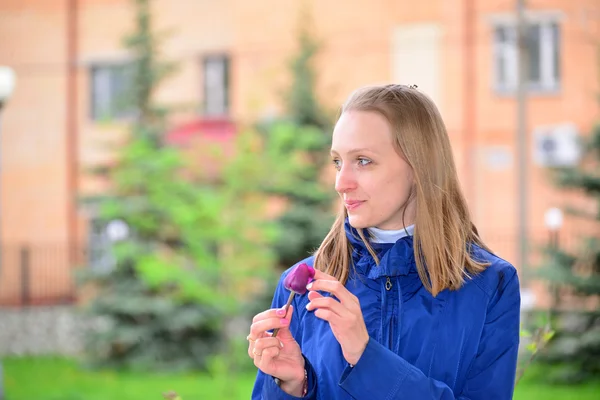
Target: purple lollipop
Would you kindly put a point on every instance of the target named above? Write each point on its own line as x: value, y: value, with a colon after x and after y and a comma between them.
x: 296, y: 282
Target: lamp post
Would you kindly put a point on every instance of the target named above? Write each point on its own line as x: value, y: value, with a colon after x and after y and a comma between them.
x: 553, y: 218
x: 7, y: 85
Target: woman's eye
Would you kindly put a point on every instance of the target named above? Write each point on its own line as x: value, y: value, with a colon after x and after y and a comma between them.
x: 362, y: 162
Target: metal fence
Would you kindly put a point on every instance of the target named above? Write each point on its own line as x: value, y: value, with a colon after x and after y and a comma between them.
x: 44, y: 274
x: 40, y: 274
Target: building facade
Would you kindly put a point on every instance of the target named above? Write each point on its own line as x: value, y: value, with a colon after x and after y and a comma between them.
x: 232, y: 58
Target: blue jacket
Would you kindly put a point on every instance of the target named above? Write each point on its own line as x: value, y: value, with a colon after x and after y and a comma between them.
x: 459, y: 345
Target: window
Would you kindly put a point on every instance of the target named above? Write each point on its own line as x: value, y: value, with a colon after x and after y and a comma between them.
x: 543, y: 44
x: 216, y: 85
x: 417, y: 57
x: 110, y: 86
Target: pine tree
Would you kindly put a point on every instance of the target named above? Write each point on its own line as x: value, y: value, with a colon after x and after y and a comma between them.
x: 302, y: 104
x: 308, y: 216
x: 576, y: 344
x: 196, y: 247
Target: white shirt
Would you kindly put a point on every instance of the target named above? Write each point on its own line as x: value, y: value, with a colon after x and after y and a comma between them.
x: 390, y: 236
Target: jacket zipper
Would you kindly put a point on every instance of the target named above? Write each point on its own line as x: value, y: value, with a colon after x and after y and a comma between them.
x: 388, y: 287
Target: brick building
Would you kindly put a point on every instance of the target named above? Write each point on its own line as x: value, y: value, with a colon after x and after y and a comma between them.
x: 232, y: 57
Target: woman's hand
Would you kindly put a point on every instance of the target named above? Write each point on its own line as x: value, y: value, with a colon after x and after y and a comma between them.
x: 344, y: 316
x: 279, y: 356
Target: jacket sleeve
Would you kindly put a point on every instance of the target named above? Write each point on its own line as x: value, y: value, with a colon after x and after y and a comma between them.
x: 265, y: 387
x: 491, y: 374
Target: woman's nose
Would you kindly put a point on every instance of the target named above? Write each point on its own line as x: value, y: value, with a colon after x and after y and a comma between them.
x: 345, y: 180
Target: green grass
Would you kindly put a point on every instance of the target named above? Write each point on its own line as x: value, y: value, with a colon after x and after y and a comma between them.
x: 46, y: 378
x: 532, y: 387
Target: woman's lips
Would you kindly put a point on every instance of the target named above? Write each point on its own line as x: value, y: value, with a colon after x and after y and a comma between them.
x: 353, y: 204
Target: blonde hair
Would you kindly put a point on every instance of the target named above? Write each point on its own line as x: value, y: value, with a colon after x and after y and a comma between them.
x: 443, y: 228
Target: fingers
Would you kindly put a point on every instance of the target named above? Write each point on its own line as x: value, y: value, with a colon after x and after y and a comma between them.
x: 269, y: 320
x: 267, y: 346
x: 265, y: 350
x: 323, y: 275
x: 328, y: 303
x: 264, y: 322
x: 334, y: 287
x: 271, y: 313
x: 329, y: 308
x: 314, y: 295
x: 251, y: 344
x: 258, y: 328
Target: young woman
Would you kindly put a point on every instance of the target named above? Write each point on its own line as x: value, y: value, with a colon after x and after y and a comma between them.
x: 407, y: 301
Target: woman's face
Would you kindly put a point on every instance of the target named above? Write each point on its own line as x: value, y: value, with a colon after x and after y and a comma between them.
x: 372, y: 179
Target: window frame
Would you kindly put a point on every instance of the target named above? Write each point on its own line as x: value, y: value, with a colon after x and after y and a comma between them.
x: 550, y: 48
x: 210, y: 100
x: 113, y: 98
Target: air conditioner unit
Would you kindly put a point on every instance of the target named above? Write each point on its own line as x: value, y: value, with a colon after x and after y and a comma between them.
x: 556, y: 145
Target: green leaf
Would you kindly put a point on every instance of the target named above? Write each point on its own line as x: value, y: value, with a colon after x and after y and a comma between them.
x: 548, y: 336
x: 525, y: 333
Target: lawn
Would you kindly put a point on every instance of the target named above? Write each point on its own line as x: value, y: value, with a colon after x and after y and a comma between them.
x: 61, y: 379
x: 43, y: 378
x: 531, y: 387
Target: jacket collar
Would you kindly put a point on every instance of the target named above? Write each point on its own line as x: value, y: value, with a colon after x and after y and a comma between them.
x: 395, y: 258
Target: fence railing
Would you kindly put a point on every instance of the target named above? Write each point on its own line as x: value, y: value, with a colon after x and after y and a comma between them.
x: 39, y: 274
x: 43, y: 274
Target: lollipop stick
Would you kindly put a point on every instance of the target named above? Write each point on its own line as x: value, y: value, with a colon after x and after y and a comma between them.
x: 287, y: 305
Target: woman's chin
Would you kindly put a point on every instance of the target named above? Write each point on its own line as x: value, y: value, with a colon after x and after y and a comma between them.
x: 357, y: 222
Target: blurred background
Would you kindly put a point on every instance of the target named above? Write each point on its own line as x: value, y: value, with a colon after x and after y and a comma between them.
x: 162, y: 162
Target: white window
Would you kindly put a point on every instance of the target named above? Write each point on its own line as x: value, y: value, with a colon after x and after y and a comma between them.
x: 216, y: 85
x: 543, y: 53
x: 110, y: 90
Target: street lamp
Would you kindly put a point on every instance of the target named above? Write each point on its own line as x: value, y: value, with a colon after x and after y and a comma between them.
x: 117, y: 230
x: 7, y: 82
x: 553, y: 218
x: 7, y: 85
